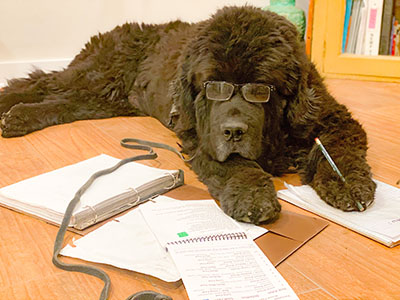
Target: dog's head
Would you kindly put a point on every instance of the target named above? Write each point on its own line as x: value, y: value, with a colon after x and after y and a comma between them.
x: 241, y: 53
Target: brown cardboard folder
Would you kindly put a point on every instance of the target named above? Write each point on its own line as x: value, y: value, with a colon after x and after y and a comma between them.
x: 285, y: 236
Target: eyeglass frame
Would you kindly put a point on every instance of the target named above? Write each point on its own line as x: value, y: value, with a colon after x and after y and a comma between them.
x: 240, y: 86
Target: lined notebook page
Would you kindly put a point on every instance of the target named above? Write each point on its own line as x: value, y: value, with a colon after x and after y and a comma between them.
x: 380, y: 221
x: 227, y: 266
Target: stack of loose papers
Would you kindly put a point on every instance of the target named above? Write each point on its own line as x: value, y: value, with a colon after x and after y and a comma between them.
x: 381, y: 221
x: 139, y: 241
x: 128, y: 242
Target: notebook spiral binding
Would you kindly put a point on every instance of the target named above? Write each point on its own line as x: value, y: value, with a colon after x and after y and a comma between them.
x: 211, y: 238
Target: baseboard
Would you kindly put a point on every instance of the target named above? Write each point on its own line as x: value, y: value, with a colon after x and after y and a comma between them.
x: 14, y: 69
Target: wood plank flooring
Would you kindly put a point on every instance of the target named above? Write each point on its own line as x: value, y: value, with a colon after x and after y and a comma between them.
x: 336, y: 264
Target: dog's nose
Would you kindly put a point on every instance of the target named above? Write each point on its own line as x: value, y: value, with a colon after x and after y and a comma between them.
x: 234, y: 130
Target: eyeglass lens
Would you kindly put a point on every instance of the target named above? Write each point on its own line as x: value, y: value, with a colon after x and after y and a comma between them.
x: 219, y: 90
x: 254, y: 92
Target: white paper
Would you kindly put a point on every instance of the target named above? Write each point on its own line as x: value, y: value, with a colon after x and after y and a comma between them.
x: 380, y: 220
x: 186, y: 218
x: 128, y: 243
x: 189, y: 218
x: 389, y: 227
x: 228, y: 269
x: 252, y: 230
x: 48, y: 195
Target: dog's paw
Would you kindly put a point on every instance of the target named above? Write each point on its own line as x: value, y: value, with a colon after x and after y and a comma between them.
x: 356, y: 194
x: 4, y: 127
x: 250, y: 197
x: 15, y: 122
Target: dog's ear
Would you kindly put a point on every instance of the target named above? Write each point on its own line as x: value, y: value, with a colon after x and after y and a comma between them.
x: 185, y: 88
x: 305, y: 108
x: 305, y: 112
x: 182, y: 114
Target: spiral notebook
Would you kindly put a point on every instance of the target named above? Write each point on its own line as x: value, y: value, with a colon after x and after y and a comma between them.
x: 227, y: 266
x: 47, y: 196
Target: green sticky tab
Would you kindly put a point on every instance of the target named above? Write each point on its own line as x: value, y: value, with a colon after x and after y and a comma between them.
x: 182, y: 234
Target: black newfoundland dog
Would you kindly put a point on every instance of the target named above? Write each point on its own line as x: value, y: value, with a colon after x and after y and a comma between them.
x: 237, y: 89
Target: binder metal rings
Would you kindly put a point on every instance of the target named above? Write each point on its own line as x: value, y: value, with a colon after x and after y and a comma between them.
x: 131, y: 204
x: 173, y: 181
x: 96, y: 216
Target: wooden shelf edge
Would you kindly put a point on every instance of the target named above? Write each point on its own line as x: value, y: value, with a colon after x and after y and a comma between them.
x: 360, y: 77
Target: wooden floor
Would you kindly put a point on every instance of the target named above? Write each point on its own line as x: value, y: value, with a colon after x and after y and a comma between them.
x: 336, y: 264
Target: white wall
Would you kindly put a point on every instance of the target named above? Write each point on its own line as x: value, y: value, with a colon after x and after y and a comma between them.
x: 49, y: 33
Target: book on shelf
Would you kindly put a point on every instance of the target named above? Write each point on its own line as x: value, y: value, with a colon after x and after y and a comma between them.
x: 353, y: 26
x: 371, y: 27
x: 347, y: 23
x: 386, y: 30
x: 47, y: 196
x: 380, y: 222
x: 362, y: 31
x: 395, y: 38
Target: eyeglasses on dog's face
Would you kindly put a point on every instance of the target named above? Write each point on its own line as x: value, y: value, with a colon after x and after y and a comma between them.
x: 252, y: 92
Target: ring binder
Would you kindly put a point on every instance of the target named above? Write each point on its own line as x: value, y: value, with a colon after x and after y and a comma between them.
x: 122, y: 202
x: 31, y: 196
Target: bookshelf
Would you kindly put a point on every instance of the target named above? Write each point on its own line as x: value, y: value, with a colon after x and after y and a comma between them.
x: 327, y: 53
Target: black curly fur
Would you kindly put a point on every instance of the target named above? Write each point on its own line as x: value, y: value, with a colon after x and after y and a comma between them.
x: 159, y: 70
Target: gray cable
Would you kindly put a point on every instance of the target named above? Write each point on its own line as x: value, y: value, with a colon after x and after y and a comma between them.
x: 144, y: 295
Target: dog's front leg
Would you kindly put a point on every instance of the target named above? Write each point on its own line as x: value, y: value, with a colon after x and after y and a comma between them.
x: 315, y: 113
x: 355, y: 189
x: 244, y: 190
